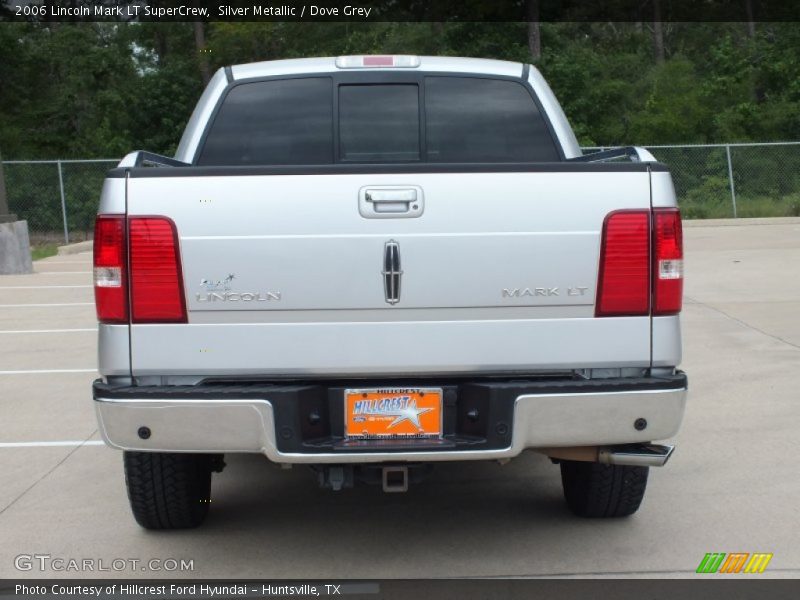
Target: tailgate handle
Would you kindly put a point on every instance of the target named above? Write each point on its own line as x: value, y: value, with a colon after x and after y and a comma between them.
x: 390, y: 202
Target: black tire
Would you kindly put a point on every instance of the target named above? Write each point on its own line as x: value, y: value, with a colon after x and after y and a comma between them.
x: 168, y: 490
x: 596, y: 490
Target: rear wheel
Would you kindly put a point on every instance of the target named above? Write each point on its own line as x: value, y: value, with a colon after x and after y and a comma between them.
x: 168, y: 490
x: 596, y: 490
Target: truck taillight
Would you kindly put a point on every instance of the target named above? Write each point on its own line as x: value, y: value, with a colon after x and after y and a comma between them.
x: 626, y: 269
x: 110, y: 289
x: 623, y: 284
x: 667, y: 262
x: 156, y: 279
x: 156, y: 284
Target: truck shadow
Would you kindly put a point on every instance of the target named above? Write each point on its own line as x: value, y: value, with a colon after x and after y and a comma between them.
x: 464, y: 519
x: 253, y: 494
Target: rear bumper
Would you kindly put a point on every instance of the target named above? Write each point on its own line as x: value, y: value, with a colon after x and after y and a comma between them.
x: 304, y: 423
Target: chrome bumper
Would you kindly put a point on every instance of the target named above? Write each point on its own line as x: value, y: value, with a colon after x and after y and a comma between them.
x: 540, y: 421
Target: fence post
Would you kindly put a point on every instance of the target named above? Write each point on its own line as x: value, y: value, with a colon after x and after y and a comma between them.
x: 63, y: 202
x: 730, y: 178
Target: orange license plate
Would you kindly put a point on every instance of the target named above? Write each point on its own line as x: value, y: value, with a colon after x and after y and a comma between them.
x: 393, y: 413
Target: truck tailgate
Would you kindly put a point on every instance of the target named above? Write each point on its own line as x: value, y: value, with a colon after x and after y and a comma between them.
x: 286, y: 275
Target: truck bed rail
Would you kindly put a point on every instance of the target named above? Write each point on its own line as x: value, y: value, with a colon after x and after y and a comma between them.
x: 142, y: 158
x: 631, y: 153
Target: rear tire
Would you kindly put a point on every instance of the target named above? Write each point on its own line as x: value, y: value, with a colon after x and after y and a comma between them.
x: 168, y: 490
x: 595, y: 490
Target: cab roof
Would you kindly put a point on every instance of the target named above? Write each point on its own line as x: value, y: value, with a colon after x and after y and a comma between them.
x: 299, y: 66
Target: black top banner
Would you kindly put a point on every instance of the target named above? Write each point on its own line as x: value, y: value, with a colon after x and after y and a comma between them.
x: 402, y: 10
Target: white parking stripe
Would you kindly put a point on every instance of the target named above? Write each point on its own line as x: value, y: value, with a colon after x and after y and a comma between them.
x: 37, y: 305
x: 51, y: 444
x: 48, y: 330
x: 47, y: 371
x: 41, y: 287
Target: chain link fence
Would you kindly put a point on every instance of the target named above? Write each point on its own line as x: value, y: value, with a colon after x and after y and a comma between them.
x: 733, y: 180
x: 59, y: 198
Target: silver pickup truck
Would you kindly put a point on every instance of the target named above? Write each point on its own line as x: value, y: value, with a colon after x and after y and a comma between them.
x: 368, y: 264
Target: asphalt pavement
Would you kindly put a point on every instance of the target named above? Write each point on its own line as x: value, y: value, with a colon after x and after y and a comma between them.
x: 732, y: 485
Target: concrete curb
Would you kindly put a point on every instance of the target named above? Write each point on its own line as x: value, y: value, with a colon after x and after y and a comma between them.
x: 76, y: 248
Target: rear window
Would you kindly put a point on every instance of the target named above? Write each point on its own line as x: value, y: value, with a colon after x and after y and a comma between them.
x: 280, y: 122
x: 460, y: 120
x: 378, y: 123
x: 484, y: 120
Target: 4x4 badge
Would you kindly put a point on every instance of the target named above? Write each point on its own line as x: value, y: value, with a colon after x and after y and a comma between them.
x: 391, y: 272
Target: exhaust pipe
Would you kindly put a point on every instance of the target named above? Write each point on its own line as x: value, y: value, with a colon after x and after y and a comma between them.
x: 395, y: 479
x: 637, y: 455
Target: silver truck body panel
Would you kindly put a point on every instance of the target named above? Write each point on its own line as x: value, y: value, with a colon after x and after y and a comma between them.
x: 200, y: 116
x: 666, y: 341
x: 448, y: 64
x: 114, y: 357
x: 298, y: 243
x: 389, y: 347
x: 112, y: 196
x: 662, y: 190
x: 667, y: 347
x: 561, y: 127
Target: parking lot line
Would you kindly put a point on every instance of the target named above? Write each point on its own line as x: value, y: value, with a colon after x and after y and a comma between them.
x: 52, y: 444
x: 48, y: 330
x: 62, y: 272
x: 39, y: 305
x: 47, y: 371
x: 40, y: 287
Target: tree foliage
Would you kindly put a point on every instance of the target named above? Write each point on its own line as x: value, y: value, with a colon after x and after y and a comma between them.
x: 100, y: 90
x: 103, y: 89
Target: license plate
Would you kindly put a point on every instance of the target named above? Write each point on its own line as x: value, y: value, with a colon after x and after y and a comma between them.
x: 393, y: 413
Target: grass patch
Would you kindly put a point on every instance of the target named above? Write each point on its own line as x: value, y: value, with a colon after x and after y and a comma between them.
x: 693, y: 206
x: 41, y: 251
x: 763, y: 206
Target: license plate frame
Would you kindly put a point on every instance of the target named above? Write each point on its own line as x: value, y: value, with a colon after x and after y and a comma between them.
x: 419, y: 413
